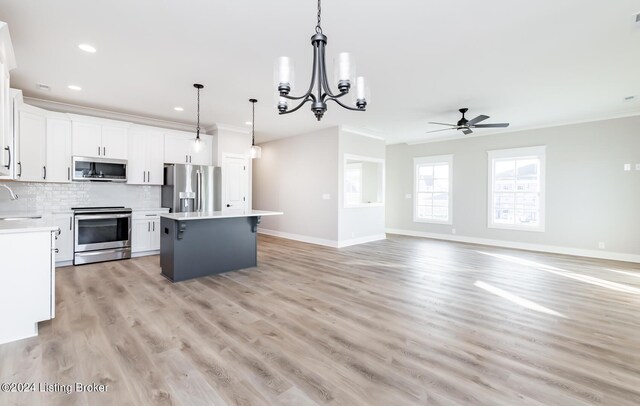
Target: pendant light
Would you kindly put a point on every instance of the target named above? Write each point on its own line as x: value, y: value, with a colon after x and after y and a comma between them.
x: 319, y: 92
x: 198, y: 141
x: 256, y: 151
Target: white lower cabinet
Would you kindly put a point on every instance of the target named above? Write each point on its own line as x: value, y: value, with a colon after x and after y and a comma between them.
x: 27, y: 291
x: 145, y: 233
x: 64, y: 240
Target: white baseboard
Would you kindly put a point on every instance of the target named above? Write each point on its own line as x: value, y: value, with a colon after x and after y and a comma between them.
x: 320, y: 241
x: 144, y: 253
x: 362, y: 240
x: 579, y: 252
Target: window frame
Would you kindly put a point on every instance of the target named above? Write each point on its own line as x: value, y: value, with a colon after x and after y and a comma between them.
x: 537, y: 152
x: 432, y: 160
x: 381, y: 184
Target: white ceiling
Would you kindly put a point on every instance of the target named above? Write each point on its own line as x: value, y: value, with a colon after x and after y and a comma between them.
x: 533, y: 63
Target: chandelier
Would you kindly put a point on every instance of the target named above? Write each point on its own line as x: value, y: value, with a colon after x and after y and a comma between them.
x: 319, y: 92
x: 197, y: 140
x: 256, y: 151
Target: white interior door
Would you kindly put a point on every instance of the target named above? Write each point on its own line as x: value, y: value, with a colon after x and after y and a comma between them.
x: 235, y: 182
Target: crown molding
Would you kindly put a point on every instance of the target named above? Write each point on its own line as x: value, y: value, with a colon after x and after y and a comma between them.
x: 228, y: 127
x: 362, y: 132
x: 106, y: 114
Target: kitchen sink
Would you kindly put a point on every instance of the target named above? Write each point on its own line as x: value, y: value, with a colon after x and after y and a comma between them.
x: 20, y: 218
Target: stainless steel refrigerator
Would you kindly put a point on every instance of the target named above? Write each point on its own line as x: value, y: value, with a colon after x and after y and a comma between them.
x: 190, y: 188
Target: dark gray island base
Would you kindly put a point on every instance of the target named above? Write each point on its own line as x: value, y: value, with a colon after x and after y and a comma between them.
x: 201, y: 244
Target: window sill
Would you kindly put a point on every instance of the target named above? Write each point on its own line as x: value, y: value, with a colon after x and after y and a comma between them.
x: 429, y: 221
x: 360, y: 206
x: 538, y: 229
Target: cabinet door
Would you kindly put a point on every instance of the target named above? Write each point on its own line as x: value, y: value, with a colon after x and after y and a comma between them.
x: 177, y: 149
x: 64, y: 241
x: 141, y: 235
x: 32, y: 161
x: 114, y: 142
x: 155, y: 158
x: 87, y: 139
x: 58, y: 150
x: 203, y: 154
x: 137, y: 166
x: 6, y: 133
x: 155, y: 234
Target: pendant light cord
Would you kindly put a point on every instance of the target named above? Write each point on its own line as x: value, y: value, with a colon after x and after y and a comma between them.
x: 318, y: 27
x: 198, y: 126
x: 253, y: 123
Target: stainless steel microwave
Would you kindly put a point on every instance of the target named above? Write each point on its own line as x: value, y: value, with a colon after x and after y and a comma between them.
x: 99, y: 169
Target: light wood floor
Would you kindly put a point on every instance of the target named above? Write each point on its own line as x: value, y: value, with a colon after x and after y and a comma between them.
x: 397, y: 322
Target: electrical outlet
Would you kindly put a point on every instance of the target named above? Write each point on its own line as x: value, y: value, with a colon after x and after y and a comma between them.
x: 453, y: 231
x: 326, y: 196
x: 408, y: 195
x: 627, y: 167
x: 601, y: 245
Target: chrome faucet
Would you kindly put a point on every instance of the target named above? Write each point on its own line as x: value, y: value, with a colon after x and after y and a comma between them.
x: 13, y: 196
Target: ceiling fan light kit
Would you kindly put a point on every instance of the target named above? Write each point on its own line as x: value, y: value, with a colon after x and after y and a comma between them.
x: 465, y: 125
x: 319, y: 92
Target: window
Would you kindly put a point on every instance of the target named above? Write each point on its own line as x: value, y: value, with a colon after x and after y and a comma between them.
x: 363, y: 181
x: 432, y: 189
x: 516, y: 188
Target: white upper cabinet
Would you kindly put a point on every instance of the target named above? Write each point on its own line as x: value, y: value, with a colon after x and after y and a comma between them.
x: 7, y: 145
x: 146, y: 156
x: 32, y: 131
x: 180, y: 148
x: 58, y: 149
x: 96, y: 139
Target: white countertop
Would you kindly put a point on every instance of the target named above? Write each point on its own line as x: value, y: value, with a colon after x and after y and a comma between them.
x: 219, y: 214
x: 26, y: 226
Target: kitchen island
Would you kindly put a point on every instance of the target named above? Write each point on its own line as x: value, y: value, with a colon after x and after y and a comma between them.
x: 199, y: 244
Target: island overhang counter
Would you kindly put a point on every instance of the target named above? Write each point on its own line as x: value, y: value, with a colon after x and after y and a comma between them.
x: 196, y: 244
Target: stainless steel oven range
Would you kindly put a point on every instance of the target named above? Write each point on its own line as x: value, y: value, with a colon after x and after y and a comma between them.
x: 101, y: 234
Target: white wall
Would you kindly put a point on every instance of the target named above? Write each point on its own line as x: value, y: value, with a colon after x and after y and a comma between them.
x: 589, y: 198
x: 48, y: 197
x: 358, y: 223
x: 292, y: 176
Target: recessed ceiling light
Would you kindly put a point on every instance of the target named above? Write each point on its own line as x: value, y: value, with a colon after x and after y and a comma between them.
x: 74, y: 87
x: 248, y: 122
x: 87, y: 48
x: 178, y: 109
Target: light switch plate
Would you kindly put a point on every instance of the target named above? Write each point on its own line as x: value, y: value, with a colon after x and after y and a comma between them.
x: 326, y: 196
x: 627, y: 167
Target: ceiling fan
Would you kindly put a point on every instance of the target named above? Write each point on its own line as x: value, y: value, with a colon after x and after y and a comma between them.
x: 465, y: 125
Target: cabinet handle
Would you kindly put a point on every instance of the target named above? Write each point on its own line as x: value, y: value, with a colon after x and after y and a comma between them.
x: 44, y: 170
x: 154, y: 226
x: 186, y: 158
x: 104, y: 151
x: 56, y: 250
x: 148, y: 176
x: 98, y: 150
x: 149, y: 227
x: 144, y: 174
x: 8, y: 165
x: 70, y: 223
x: 190, y: 158
x: 20, y: 166
x: 68, y: 173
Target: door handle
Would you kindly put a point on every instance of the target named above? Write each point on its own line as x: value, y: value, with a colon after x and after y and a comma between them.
x: 44, y: 170
x: 20, y: 173
x: 228, y: 205
x: 8, y: 165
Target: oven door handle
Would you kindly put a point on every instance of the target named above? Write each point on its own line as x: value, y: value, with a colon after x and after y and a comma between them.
x: 101, y: 216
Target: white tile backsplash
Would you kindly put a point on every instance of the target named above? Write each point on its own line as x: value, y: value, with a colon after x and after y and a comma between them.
x: 48, y: 197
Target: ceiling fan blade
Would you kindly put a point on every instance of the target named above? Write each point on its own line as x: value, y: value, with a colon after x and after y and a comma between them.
x: 467, y: 131
x: 444, y: 129
x: 450, y: 125
x: 478, y: 119
x: 496, y: 125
